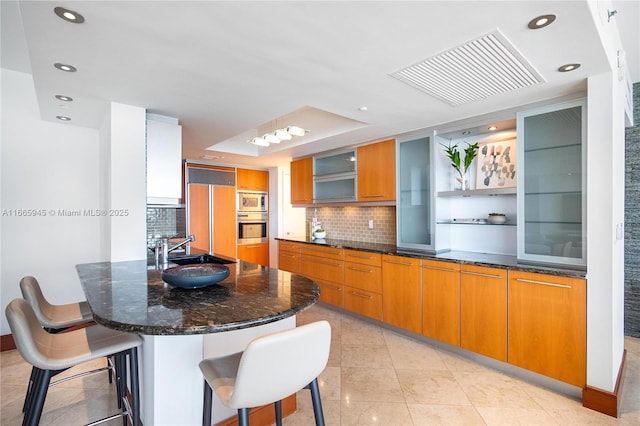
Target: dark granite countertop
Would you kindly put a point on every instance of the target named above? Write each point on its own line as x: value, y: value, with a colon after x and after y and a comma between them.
x: 463, y: 257
x: 131, y: 296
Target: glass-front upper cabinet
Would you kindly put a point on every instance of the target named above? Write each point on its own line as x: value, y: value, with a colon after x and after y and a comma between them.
x: 334, y: 177
x: 413, y: 195
x: 552, y: 184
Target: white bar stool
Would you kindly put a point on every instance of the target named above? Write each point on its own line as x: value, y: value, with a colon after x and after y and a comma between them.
x: 57, y: 318
x: 271, y: 368
x: 51, y: 354
x: 53, y: 317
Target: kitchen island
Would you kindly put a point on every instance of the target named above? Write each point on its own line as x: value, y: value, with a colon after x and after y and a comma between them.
x: 180, y: 327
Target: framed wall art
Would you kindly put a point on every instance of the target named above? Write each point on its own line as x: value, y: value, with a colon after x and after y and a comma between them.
x: 496, y: 165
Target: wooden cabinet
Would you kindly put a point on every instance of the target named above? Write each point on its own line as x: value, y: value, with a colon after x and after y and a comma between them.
x: 324, y: 265
x: 302, y: 181
x: 363, y: 283
x: 401, y: 292
x: 252, y: 180
x: 548, y: 325
x: 289, y: 256
x: 483, y: 311
x: 441, y: 301
x: 377, y: 171
x: 256, y: 253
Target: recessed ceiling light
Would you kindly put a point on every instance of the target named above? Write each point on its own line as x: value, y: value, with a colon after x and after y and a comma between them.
x: 492, y: 128
x: 65, y: 67
x: 69, y: 15
x: 569, y: 67
x: 63, y: 118
x: 64, y: 98
x: 363, y: 108
x: 541, y: 21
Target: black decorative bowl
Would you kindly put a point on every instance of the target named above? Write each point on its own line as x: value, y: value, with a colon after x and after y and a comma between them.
x: 195, y: 276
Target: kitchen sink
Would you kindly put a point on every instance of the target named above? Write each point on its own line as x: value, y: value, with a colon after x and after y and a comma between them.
x: 195, y: 259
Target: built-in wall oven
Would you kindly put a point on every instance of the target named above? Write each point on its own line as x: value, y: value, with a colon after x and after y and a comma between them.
x: 252, y: 227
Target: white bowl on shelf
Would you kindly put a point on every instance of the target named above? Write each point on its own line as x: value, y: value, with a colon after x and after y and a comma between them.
x: 496, y: 220
x: 320, y: 235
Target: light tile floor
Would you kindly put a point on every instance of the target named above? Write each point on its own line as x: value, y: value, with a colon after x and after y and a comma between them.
x: 374, y: 377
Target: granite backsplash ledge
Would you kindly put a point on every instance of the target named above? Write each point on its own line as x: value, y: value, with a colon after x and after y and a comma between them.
x: 352, y: 222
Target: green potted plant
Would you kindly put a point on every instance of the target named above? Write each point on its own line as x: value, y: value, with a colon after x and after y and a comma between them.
x: 461, y: 165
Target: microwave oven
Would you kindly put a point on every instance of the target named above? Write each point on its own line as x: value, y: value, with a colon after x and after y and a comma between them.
x: 252, y: 201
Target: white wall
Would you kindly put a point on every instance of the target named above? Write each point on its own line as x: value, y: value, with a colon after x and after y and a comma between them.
x: 127, y: 183
x: 52, y: 167
x: 605, y: 247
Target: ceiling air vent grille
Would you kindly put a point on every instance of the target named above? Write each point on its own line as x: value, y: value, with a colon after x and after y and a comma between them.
x: 475, y: 70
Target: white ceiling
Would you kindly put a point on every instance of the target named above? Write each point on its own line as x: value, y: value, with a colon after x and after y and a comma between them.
x: 231, y: 70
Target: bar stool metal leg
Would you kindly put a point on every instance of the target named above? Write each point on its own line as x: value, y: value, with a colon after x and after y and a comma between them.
x: 243, y: 416
x: 278, y: 406
x: 317, y: 404
x: 207, y: 403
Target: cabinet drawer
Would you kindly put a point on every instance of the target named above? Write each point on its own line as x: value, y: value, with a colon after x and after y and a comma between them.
x: 321, y: 268
x: 363, y: 277
x: 330, y: 293
x: 440, y: 265
x: 326, y: 252
x: 289, y: 261
x: 288, y: 246
x: 363, y: 302
x: 363, y: 257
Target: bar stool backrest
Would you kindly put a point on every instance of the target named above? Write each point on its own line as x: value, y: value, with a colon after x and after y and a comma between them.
x: 277, y: 365
x: 28, y: 335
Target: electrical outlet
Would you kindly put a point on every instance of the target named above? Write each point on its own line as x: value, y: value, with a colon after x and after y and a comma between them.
x: 370, y: 223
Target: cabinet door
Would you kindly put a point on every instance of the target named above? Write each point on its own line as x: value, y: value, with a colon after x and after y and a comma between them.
x: 256, y: 253
x: 483, y: 307
x: 252, y: 180
x: 401, y: 298
x: 548, y: 325
x: 224, y: 221
x: 441, y: 301
x: 199, y: 211
x: 377, y: 171
x: 302, y: 181
x: 414, y: 202
x: 552, y: 184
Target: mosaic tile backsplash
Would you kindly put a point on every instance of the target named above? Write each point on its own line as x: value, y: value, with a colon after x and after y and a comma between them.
x: 165, y: 222
x: 352, y: 223
x: 632, y: 222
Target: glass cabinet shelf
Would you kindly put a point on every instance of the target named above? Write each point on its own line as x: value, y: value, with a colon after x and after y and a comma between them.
x: 484, y: 192
x: 451, y: 222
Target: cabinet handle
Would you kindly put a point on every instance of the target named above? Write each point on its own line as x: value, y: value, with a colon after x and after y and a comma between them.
x: 364, y: 296
x: 372, y: 195
x: 250, y: 247
x: 335, y: 287
x: 395, y: 262
x: 543, y: 283
x: 438, y: 268
x: 481, y: 275
x: 320, y: 262
x: 288, y: 255
x: 360, y: 270
x: 360, y: 256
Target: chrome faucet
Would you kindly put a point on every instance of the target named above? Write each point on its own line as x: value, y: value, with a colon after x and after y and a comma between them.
x: 163, y: 245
